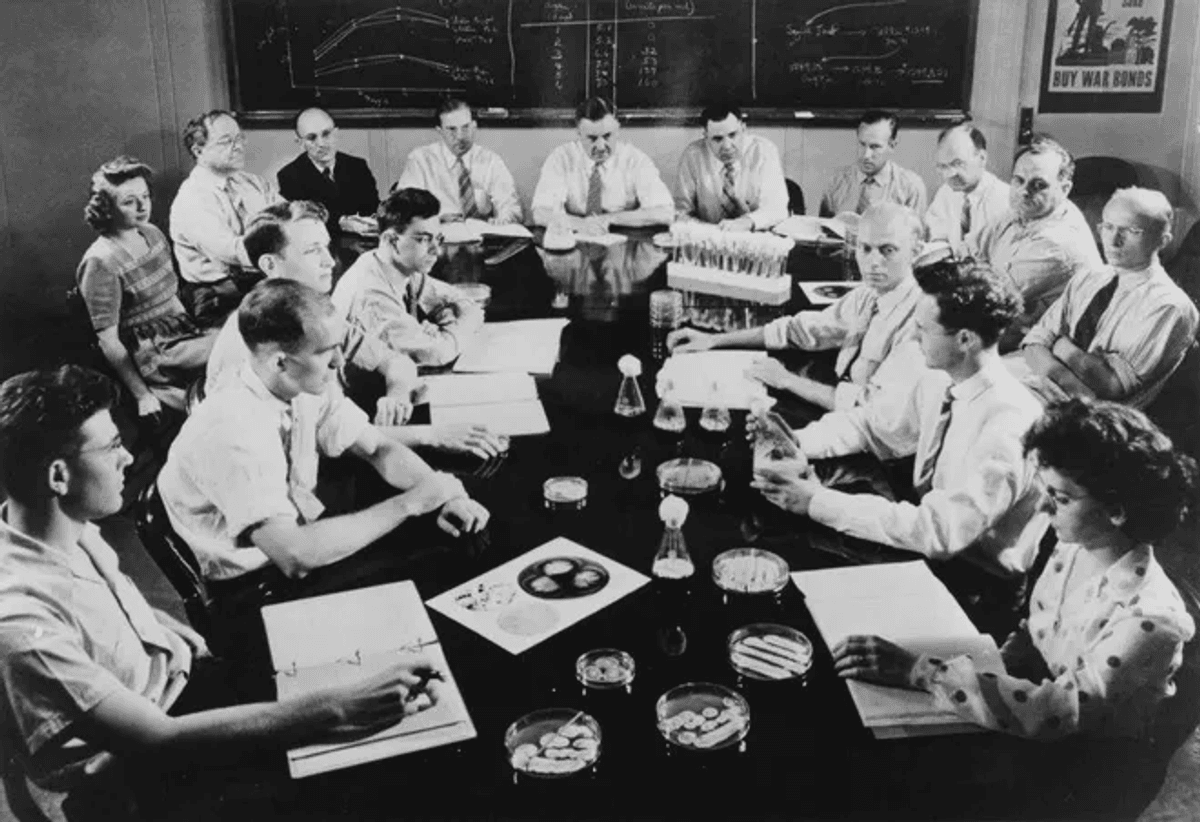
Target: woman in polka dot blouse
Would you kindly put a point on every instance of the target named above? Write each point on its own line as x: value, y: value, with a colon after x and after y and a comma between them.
x: 1106, y: 628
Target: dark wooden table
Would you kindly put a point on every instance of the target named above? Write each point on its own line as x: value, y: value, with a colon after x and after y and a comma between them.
x: 806, y: 755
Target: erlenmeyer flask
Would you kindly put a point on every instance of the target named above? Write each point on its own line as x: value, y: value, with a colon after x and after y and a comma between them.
x: 673, y: 560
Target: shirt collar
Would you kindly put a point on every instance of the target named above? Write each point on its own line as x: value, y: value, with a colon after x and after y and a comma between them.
x: 320, y: 168
x: 986, y: 182
x: 79, y: 563
x: 451, y: 159
x: 1134, y: 279
x: 902, y: 292
x: 1127, y: 574
x: 993, y: 370
x: 207, y: 177
x: 883, y: 176
x: 259, y: 389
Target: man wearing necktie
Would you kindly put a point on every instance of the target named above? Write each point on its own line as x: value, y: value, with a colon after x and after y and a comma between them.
x: 470, y: 180
x: 341, y: 182
x: 866, y: 327
x: 1118, y: 331
x: 731, y: 177
x: 970, y: 196
x: 598, y: 181
x: 89, y: 672
x: 210, y: 214
x: 875, y: 178
x: 976, y: 498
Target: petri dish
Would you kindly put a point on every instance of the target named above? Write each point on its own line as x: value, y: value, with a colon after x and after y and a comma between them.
x: 604, y: 668
x: 553, y: 742
x: 689, y: 477
x: 565, y: 493
x: 750, y: 571
x: 562, y: 578
x: 769, y: 652
x: 703, y: 716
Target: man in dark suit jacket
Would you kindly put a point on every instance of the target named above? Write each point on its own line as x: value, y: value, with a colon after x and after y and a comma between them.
x: 341, y: 182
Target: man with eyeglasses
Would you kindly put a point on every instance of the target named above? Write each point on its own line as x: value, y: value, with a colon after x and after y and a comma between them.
x: 321, y: 174
x: 1043, y: 240
x: 211, y: 212
x: 469, y: 180
x: 730, y: 177
x: 388, y: 291
x: 970, y: 196
x: 598, y: 181
x: 1117, y: 332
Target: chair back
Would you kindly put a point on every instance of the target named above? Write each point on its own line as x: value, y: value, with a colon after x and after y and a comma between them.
x: 77, y: 341
x: 1178, y: 716
x: 1095, y: 180
x: 1174, y: 409
x: 1184, y: 267
x: 795, y: 197
x: 174, y: 557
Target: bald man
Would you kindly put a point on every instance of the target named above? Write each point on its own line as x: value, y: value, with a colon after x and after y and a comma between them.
x: 341, y: 182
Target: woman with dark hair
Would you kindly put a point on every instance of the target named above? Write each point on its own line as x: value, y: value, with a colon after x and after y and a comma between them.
x: 1106, y: 627
x: 128, y: 281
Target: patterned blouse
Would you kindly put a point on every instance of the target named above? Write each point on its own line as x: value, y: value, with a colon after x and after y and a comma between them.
x: 1111, y: 647
x: 139, y: 295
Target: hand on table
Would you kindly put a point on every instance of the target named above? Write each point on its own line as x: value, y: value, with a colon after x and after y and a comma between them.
x: 469, y: 438
x: 393, y: 410
x: 407, y: 688
x: 685, y: 340
x: 771, y: 373
x: 463, y: 515
x: 431, y: 493
x: 873, y: 659
x: 149, y: 405
x: 788, y: 488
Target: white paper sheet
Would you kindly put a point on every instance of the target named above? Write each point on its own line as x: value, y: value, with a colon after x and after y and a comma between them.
x: 693, y: 375
x: 522, y: 345
x: 479, y: 389
x: 513, y: 419
x: 906, y: 604
x: 512, y: 601
x: 514, y: 230
x: 600, y: 239
x: 347, y: 637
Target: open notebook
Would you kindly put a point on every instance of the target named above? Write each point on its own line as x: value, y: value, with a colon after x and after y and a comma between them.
x: 341, y: 638
x: 507, y: 402
x: 905, y: 603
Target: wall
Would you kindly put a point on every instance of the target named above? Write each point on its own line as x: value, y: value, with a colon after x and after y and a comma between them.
x: 84, y: 80
x: 1156, y: 142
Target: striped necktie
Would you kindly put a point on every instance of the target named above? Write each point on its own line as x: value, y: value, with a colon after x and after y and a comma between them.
x: 595, y: 192
x: 845, y: 373
x: 924, y: 476
x: 466, y: 190
x: 868, y: 194
x: 730, y: 205
x: 239, y: 207
x: 1089, y: 321
x: 964, y: 221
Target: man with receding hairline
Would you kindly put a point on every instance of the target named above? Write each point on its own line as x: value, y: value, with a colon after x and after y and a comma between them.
x: 469, y: 180
x: 875, y: 177
x: 970, y: 196
x: 341, y: 182
x: 868, y: 326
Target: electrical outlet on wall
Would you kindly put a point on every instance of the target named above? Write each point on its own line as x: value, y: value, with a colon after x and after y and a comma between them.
x: 1025, y: 129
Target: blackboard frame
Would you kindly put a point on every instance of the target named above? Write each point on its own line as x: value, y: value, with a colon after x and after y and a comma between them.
x: 544, y: 117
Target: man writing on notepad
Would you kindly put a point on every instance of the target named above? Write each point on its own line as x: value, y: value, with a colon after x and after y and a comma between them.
x: 865, y: 327
x: 90, y: 676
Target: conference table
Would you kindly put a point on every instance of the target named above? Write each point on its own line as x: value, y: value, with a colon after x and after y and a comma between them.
x: 807, y: 754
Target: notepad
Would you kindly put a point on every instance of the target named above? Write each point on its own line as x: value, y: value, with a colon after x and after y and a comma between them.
x: 506, y: 402
x: 906, y: 604
x: 530, y: 346
x: 338, y: 639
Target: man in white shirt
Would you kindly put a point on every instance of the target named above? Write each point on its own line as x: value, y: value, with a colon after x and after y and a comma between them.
x: 1120, y: 331
x: 240, y: 478
x: 964, y: 421
x: 867, y: 326
x: 88, y: 671
x: 970, y: 196
x: 388, y: 291
x: 599, y: 181
x: 211, y: 212
x: 1043, y: 240
x: 875, y: 178
x: 730, y: 177
x: 470, y: 181
x: 289, y: 241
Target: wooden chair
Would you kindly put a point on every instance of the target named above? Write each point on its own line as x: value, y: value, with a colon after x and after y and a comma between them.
x: 795, y: 197
x: 1096, y: 178
x: 174, y: 556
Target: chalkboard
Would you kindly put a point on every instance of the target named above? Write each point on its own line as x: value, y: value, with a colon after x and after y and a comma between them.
x: 538, y: 58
